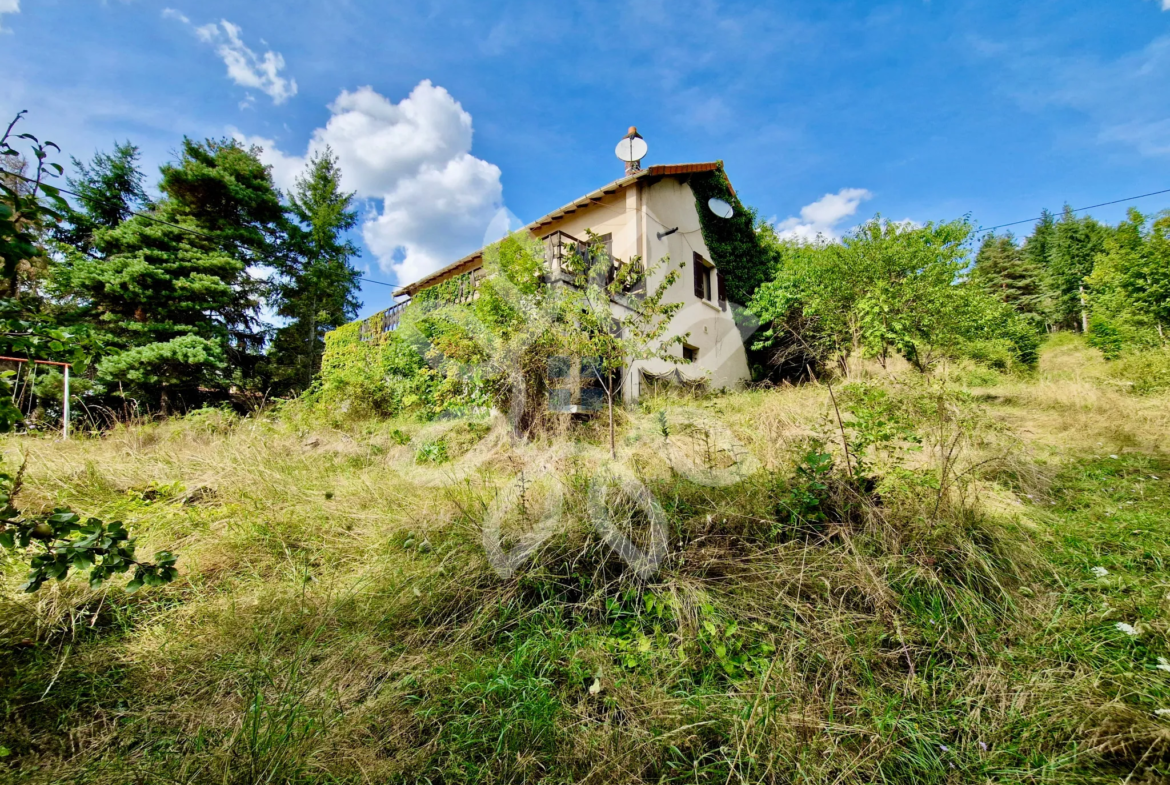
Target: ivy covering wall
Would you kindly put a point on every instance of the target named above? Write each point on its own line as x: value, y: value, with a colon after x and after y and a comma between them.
x: 384, y: 375
x: 453, y: 291
x: 733, y: 242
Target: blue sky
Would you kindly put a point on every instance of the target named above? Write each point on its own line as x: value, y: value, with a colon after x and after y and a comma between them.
x: 450, y: 116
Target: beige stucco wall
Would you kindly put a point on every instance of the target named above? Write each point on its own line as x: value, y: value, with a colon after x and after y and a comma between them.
x: 635, y: 216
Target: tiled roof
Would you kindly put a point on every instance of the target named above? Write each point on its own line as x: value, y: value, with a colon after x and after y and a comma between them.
x: 468, y: 262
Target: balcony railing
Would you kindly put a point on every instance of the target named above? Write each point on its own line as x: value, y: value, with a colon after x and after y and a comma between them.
x: 383, y: 321
x: 565, y: 255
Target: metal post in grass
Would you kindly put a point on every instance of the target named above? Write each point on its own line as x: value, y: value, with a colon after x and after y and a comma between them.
x: 65, y: 414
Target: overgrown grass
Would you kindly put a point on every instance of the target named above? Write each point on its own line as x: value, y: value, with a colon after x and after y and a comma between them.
x: 940, y: 606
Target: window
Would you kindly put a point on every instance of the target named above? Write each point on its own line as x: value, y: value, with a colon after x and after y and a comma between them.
x: 558, y: 367
x: 703, y: 288
x: 690, y: 353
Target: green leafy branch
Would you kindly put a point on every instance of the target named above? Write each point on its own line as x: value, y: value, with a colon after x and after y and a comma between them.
x: 66, y: 542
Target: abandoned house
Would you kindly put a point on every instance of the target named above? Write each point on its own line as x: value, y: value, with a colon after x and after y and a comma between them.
x: 649, y: 213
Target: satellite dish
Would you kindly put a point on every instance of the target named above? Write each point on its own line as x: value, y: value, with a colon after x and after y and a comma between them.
x: 720, y: 208
x: 632, y: 148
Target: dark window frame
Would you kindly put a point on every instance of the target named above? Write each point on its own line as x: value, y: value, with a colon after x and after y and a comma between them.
x: 703, y: 284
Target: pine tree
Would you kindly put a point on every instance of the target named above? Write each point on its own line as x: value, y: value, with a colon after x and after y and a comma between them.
x: 1005, y: 271
x: 1036, y: 252
x: 188, y: 278
x: 316, y: 288
x: 1074, y: 246
x: 110, y: 189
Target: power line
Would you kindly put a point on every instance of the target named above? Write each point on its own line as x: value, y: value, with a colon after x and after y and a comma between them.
x: 149, y: 217
x: 1075, y: 210
x: 197, y: 233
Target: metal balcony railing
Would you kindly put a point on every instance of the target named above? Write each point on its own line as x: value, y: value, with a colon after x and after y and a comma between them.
x: 383, y: 321
x: 565, y: 255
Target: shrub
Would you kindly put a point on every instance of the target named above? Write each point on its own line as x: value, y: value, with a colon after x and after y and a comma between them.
x: 432, y: 452
x: 384, y: 376
x: 1149, y: 371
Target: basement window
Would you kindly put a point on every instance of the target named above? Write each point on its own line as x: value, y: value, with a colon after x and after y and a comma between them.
x: 689, y: 352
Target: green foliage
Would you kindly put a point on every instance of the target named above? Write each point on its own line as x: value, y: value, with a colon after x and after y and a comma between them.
x: 1129, y: 288
x: 453, y: 291
x: 1006, y: 272
x: 316, y: 285
x: 172, y: 367
x: 222, y: 188
x: 110, y: 189
x: 62, y: 542
x: 878, y: 421
x: 1073, y: 249
x: 434, y: 451
x: 743, y: 248
x: 886, y: 288
x: 148, y: 282
x: 1148, y: 371
x: 385, y: 376
x: 805, y: 501
x: 29, y: 206
x: 490, y: 350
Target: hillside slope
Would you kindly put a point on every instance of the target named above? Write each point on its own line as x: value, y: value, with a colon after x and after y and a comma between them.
x: 976, y: 592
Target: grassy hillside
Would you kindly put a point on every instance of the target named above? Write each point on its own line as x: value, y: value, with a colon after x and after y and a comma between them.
x: 942, y: 605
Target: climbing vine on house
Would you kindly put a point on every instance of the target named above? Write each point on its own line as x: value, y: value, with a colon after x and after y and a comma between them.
x: 384, y: 375
x: 453, y: 291
x: 735, y: 246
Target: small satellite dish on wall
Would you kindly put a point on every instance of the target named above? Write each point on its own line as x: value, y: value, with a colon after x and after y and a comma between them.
x: 631, y: 149
x: 720, y: 208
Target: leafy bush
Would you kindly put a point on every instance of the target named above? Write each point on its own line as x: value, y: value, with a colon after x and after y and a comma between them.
x: 432, y: 452
x: 384, y: 376
x: 887, y: 288
x: 1148, y: 371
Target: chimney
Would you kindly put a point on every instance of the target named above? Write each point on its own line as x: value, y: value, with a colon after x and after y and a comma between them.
x: 633, y: 166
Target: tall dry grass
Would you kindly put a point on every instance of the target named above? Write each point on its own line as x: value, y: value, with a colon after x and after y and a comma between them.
x: 929, y: 618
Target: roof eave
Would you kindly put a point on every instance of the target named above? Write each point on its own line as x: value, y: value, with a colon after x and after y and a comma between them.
x: 584, y: 202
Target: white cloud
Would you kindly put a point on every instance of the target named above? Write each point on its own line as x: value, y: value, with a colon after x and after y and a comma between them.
x: 823, y: 216
x: 433, y: 200
x: 244, y: 66
x: 8, y: 7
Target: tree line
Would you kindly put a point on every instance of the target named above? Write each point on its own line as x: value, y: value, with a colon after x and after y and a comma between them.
x: 917, y: 291
x: 159, y: 294
x: 1076, y: 273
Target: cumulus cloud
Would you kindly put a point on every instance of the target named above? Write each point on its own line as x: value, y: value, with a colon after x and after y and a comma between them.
x: 244, y: 66
x: 431, y: 199
x: 8, y: 7
x: 823, y: 216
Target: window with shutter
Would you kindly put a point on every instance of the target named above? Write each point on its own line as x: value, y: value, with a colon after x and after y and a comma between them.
x: 700, y: 277
x: 722, y: 290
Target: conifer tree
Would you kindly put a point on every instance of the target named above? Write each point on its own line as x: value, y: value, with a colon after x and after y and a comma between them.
x: 184, y: 275
x: 1074, y: 246
x: 1005, y: 271
x: 316, y: 286
x: 110, y: 188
